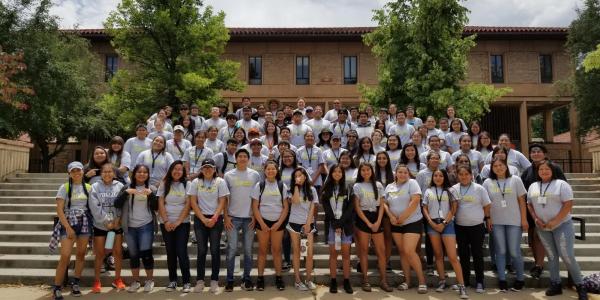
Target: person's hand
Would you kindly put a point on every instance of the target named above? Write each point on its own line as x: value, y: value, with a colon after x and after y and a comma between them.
x: 228, y: 224
x: 210, y: 223
x: 298, y: 181
x: 146, y: 191
x: 131, y: 191
x: 489, y: 225
x: 275, y: 226
x: 264, y: 227
x: 373, y: 227
x: 525, y: 225
x: 91, y: 173
x: 70, y: 233
x: 306, y: 228
x: 393, y: 220
x: 551, y: 224
x: 252, y: 224
x: 539, y: 223
x: 438, y: 227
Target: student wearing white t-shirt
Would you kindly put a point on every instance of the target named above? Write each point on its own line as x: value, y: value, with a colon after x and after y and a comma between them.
x: 208, y: 195
x: 157, y: 159
x: 410, y: 158
x: 435, y: 144
x: 550, y: 202
x: 509, y: 219
x: 174, y: 211
x: 513, y: 157
x: 402, y: 205
x: 194, y: 156
x: 212, y: 142
x: 475, y: 157
x: 137, y: 144
x: 177, y: 145
x: 453, y: 137
x: 394, y: 150
x: 473, y: 209
x: 270, y: 209
x: 440, y: 203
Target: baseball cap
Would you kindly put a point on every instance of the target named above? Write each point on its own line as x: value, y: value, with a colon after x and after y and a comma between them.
x: 178, y: 127
x: 74, y: 165
x: 209, y: 162
x: 336, y: 137
x: 309, y: 108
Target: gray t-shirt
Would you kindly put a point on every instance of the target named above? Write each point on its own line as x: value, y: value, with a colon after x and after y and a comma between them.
x: 166, y: 134
x: 208, y: 193
x: 286, y: 176
x: 424, y: 178
x: 514, y: 158
x: 216, y: 146
x: 134, y: 147
x: 271, y: 204
x: 394, y: 157
x: 219, y: 123
x: 178, y: 153
x: 229, y: 159
x: 174, y: 201
x: 485, y: 171
x: 350, y: 177
x: 397, y: 197
x: 257, y: 163
x: 474, y: 157
x: 331, y: 156
x: 298, y: 132
x: 240, y: 184
x: 195, y: 156
x: 452, y: 140
x: 445, y: 158
x: 160, y: 161
x: 299, y: 212
x: 505, y: 208
x: 78, y: 198
x: 473, y: 199
x: 366, y: 195
x: 102, y: 203
x: 556, y: 193
x: 140, y: 215
x: 436, y: 198
x: 310, y: 158
x: 403, y: 131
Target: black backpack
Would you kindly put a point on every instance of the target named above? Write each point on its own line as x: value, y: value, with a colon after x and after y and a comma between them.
x: 262, y: 189
x: 227, y: 162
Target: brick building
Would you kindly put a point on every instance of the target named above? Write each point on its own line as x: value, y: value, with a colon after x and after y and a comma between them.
x: 323, y: 64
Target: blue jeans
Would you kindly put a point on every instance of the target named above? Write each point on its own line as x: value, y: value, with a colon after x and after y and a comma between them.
x: 508, y: 236
x: 204, y: 237
x: 559, y: 243
x: 232, y: 244
x: 139, y: 243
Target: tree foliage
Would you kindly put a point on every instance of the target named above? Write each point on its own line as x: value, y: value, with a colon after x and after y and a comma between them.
x: 60, y: 69
x: 584, y: 36
x: 423, y: 59
x: 175, y: 48
x: 10, y: 66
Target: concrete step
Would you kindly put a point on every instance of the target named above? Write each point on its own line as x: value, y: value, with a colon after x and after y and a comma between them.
x: 581, y: 175
x: 23, y: 193
x: 18, y: 208
x: 578, y: 181
x: 57, y: 181
x: 29, y: 199
x: 585, y: 187
x: 29, y: 186
x: 42, y: 175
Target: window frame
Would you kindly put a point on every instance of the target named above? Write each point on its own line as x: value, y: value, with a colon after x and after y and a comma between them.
x: 494, y: 69
x: 350, y: 80
x: 546, y: 77
x: 304, y: 79
x: 252, y: 60
x: 110, y: 70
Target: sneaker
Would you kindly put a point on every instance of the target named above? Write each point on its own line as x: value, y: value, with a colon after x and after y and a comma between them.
x: 229, y: 286
x: 286, y: 266
x: 199, y: 286
x: 118, y: 284
x: 75, y: 290
x: 441, y: 286
x: 581, y: 292
x: 247, y: 285
x: 366, y: 287
x: 518, y: 286
x: 97, y: 287
x: 503, y: 286
x: 134, y: 287
x: 171, y: 286
x: 403, y: 286
x: 311, y: 285
x: 148, y: 286
x: 455, y: 287
x: 348, y: 286
x: 536, y: 272
x: 300, y: 286
x: 554, y: 289
x: 260, y: 283
x: 333, y: 288
x: 279, y: 283
x: 480, y: 289
x: 187, y: 287
x: 422, y: 289
x: 57, y: 294
x: 462, y: 292
x: 385, y: 287
x: 214, y: 286
x: 430, y: 271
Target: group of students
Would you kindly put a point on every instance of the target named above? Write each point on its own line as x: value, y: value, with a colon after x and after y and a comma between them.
x: 264, y: 174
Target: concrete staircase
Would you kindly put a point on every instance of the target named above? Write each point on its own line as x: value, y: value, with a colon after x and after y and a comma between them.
x: 27, y: 206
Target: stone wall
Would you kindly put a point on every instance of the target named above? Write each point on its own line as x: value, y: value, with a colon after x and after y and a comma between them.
x: 14, y: 156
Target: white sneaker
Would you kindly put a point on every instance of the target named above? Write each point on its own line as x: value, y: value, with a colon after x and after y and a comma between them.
x: 301, y: 286
x: 214, y: 286
x: 311, y: 285
x: 134, y: 287
x: 187, y: 288
x: 199, y: 286
x: 480, y: 289
x: 148, y: 286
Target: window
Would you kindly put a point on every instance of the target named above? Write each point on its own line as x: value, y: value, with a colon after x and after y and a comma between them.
x: 350, y: 70
x: 255, y: 70
x: 111, y: 66
x: 302, y: 70
x: 497, y: 69
x: 546, y: 68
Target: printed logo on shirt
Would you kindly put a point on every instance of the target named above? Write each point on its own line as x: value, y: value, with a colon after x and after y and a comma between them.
x: 78, y: 196
x: 242, y: 183
x: 207, y: 189
x: 468, y: 198
x: 177, y: 193
x: 432, y: 196
x: 398, y: 193
x: 367, y: 194
x: 271, y: 192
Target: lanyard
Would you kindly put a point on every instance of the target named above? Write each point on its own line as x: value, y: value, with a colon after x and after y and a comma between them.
x: 197, y: 157
x: 503, y: 189
x: 439, y: 198
x: 310, y: 154
x: 368, y: 160
x: 154, y: 158
x: 336, y: 192
x: 467, y: 191
x: 337, y: 157
x: 209, y: 186
x: 342, y: 128
x: 548, y: 186
x: 231, y: 131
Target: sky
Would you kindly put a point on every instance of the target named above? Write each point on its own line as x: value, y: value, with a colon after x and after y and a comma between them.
x: 334, y: 13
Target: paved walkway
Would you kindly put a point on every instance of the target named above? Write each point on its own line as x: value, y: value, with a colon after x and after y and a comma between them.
x: 43, y: 293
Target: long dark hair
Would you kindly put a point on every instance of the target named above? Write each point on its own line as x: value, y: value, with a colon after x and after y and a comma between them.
x: 330, y: 184
x: 384, y: 127
x: 360, y: 179
x: 349, y: 154
x: 133, y: 183
x: 387, y: 145
x: 404, y: 159
x: 306, y: 187
x: 116, y: 140
x: 389, y: 174
x: 168, y: 180
x: 493, y: 174
x: 275, y: 134
x: 446, y: 185
x: 294, y: 162
x: 92, y: 164
x: 245, y: 140
x: 322, y: 142
x: 190, y: 127
x: 360, y: 151
x: 488, y: 147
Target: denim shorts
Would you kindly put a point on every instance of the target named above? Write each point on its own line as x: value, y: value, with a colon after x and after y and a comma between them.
x: 448, y: 230
x: 78, y: 228
x: 346, y: 239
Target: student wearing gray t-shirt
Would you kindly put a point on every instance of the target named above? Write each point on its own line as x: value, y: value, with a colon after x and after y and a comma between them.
x: 137, y: 144
x: 157, y: 160
x: 238, y: 216
x: 174, y: 211
x: 509, y: 218
x: 270, y: 208
x: 550, y: 202
x: 473, y: 209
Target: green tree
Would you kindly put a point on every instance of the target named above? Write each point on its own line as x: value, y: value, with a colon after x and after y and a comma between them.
x: 61, y: 71
x: 176, y: 50
x: 423, y: 59
x: 584, y: 36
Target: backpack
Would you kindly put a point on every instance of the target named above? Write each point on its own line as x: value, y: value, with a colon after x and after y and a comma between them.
x: 86, y: 189
x: 227, y: 162
x: 262, y: 189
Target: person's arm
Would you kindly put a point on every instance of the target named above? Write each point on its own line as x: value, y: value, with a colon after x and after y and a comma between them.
x: 162, y: 211
x: 258, y: 216
x: 296, y: 195
x: 328, y: 209
x: 309, y: 218
x: 359, y: 212
x: 566, y: 208
x: 487, y: 216
x: 523, y: 210
x: 60, y: 211
x: 95, y: 206
x: 283, y: 216
x: 415, y: 200
x: 196, y: 208
x: 347, y: 214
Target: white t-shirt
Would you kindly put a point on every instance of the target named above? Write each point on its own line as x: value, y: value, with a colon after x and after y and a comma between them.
x: 208, y: 193
x: 297, y: 134
x: 134, y: 147
x: 473, y: 199
x: 505, y: 208
x: 403, y: 131
x: 445, y: 159
x: 311, y: 159
x: 475, y: 158
x: 174, y: 201
x: 158, y: 164
x: 556, y: 193
x: 241, y: 184
x: 435, y: 198
x: 331, y: 157
x: 299, y: 212
x: 195, y: 156
x: 452, y: 140
x: 514, y: 158
x: 216, y: 146
x: 178, y: 153
x: 398, y: 196
x: 317, y: 126
x: 366, y: 195
x: 219, y: 123
x: 271, y: 203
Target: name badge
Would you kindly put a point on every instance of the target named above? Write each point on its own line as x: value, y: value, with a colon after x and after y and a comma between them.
x: 338, y: 214
x: 503, y: 203
x: 542, y: 200
x: 441, y: 213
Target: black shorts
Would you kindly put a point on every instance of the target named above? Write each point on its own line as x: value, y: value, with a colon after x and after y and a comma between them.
x: 100, y: 232
x: 297, y: 228
x: 269, y: 224
x: 372, y: 217
x: 414, y: 227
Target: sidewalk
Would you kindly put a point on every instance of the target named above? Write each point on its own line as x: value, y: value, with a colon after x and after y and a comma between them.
x: 43, y: 292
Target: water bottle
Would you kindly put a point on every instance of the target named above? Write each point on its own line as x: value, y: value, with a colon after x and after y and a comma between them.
x: 338, y: 241
x: 304, y: 246
x: 110, y: 240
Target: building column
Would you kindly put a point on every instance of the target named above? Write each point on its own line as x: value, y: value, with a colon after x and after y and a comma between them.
x: 524, y: 128
x: 230, y: 106
x: 326, y: 109
x: 548, y: 126
x: 573, y: 129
